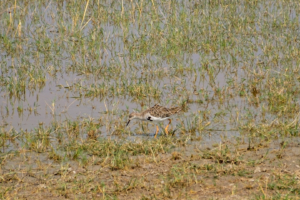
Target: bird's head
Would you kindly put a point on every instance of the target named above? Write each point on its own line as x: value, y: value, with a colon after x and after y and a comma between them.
x: 131, y: 117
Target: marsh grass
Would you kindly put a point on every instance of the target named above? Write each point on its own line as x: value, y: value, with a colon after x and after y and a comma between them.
x: 72, y: 71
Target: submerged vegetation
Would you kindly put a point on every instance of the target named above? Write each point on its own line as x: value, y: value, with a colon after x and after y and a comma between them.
x: 72, y: 71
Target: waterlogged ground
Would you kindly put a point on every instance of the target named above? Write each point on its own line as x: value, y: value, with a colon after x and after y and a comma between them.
x: 72, y: 71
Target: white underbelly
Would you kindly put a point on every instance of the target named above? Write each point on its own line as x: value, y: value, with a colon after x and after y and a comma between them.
x: 158, y: 119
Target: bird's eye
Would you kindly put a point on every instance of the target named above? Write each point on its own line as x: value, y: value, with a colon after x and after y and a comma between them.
x: 149, y: 118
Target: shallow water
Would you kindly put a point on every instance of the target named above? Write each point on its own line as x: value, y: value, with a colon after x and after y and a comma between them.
x: 78, y: 63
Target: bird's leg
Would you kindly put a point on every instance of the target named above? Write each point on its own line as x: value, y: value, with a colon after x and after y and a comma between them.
x: 156, y: 131
x: 166, y: 129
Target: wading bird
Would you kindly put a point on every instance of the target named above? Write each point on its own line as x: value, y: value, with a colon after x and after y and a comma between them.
x: 156, y: 113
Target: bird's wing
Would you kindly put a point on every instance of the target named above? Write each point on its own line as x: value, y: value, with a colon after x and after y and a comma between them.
x: 160, y: 111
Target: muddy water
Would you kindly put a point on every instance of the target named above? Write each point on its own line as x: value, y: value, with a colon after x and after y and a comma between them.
x: 56, y: 101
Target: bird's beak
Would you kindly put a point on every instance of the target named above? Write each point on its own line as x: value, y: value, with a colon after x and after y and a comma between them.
x: 127, y: 122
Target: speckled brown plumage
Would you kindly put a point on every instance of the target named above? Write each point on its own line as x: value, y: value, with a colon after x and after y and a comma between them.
x: 160, y: 111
